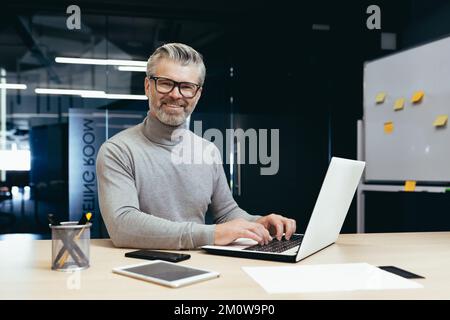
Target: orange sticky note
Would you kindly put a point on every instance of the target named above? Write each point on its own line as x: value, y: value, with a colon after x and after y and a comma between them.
x: 388, y: 127
x: 410, y: 185
x: 380, y: 97
x: 399, y: 103
x: 440, y: 120
x: 417, y: 96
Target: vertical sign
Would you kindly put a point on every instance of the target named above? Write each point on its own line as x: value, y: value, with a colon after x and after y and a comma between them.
x: 86, y: 135
x: 88, y: 129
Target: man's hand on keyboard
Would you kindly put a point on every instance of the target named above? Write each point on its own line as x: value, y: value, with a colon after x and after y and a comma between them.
x: 227, y: 232
x: 277, y: 225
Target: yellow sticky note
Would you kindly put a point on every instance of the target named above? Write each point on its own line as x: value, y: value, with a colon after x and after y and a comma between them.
x: 410, y: 185
x: 417, y: 96
x: 440, y: 120
x: 399, y: 103
x: 388, y: 127
x: 380, y: 97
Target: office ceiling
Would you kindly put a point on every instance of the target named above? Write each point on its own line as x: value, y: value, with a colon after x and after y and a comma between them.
x: 33, y: 33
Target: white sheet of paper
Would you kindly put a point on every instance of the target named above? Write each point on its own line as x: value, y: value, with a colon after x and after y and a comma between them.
x: 326, y: 278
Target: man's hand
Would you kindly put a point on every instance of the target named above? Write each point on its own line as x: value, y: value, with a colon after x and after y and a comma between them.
x: 239, y: 228
x: 277, y: 224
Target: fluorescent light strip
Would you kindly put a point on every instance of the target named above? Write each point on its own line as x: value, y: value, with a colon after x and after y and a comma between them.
x: 66, y: 91
x: 101, y: 62
x: 130, y: 68
x: 116, y: 96
x: 91, y: 94
x: 13, y: 86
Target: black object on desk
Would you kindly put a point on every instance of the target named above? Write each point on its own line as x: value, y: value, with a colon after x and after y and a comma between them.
x: 401, y: 272
x: 157, y: 255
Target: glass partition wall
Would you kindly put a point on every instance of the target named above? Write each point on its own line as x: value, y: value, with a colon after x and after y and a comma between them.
x: 60, y: 78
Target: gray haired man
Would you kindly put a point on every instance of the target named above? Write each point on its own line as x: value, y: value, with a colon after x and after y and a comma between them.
x: 149, y: 201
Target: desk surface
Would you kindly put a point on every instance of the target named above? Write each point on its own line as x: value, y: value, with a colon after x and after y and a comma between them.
x: 25, y: 271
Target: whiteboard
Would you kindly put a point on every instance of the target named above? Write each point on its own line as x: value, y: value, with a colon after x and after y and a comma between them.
x: 415, y: 149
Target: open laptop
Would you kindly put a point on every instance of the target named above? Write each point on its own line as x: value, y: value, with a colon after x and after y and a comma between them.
x: 324, y: 226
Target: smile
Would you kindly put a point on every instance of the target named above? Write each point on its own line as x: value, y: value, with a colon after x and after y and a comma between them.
x: 172, y: 106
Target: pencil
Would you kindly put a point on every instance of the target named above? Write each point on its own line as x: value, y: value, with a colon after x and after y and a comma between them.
x: 86, y: 218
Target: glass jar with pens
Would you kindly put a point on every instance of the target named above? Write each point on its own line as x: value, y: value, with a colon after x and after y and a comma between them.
x: 70, y: 243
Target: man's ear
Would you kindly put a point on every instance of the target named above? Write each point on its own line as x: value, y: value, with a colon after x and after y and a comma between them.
x: 199, y: 93
x: 147, y: 87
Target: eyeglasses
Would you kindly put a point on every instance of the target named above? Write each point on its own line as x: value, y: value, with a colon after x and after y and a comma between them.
x: 165, y: 85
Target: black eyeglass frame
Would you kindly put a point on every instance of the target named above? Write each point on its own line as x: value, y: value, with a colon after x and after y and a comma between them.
x: 175, y: 84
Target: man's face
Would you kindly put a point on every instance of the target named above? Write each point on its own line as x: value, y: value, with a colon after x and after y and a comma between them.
x: 172, y: 108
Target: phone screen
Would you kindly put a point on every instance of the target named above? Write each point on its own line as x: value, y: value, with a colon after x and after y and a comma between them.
x: 165, y: 271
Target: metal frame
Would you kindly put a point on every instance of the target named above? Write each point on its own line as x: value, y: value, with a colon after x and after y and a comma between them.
x: 362, y: 187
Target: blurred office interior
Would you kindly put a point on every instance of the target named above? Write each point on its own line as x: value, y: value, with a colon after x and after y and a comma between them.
x: 296, y: 67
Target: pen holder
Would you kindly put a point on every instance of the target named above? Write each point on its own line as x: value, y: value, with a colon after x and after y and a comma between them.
x: 70, y: 246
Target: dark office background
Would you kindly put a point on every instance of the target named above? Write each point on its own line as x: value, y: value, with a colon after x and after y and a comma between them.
x: 295, y: 66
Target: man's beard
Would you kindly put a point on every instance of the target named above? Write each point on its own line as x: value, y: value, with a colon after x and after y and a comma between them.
x: 172, y: 119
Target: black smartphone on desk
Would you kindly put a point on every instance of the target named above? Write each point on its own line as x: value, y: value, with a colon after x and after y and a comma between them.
x: 158, y: 255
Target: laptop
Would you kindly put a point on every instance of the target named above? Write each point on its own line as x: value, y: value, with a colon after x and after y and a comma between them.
x: 335, y: 196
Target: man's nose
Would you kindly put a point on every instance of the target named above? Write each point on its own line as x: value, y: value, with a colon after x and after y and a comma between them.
x: 175, y: 93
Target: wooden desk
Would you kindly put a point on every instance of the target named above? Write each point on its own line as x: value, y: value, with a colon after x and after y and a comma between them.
x: 25, y: 271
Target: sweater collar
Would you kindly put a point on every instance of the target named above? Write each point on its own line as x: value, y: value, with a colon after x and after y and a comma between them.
x: 161, y: 133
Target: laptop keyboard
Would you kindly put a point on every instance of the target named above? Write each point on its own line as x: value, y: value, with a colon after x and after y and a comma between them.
x: 278, y: 245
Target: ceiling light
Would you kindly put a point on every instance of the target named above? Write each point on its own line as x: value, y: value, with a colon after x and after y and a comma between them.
x: 131, y: 68
x: 101, y: 62
x: 115, y: 96
x: 66, y: 91
x: 13, y: 86
x: 91, y: 94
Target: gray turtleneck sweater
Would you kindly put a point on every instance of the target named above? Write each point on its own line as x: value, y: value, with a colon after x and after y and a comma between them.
x: 155, y: 184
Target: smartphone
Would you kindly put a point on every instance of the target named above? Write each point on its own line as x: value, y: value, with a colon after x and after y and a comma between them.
x: 166, y: 273
x: 401, y: 272
x: 158, y: 255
